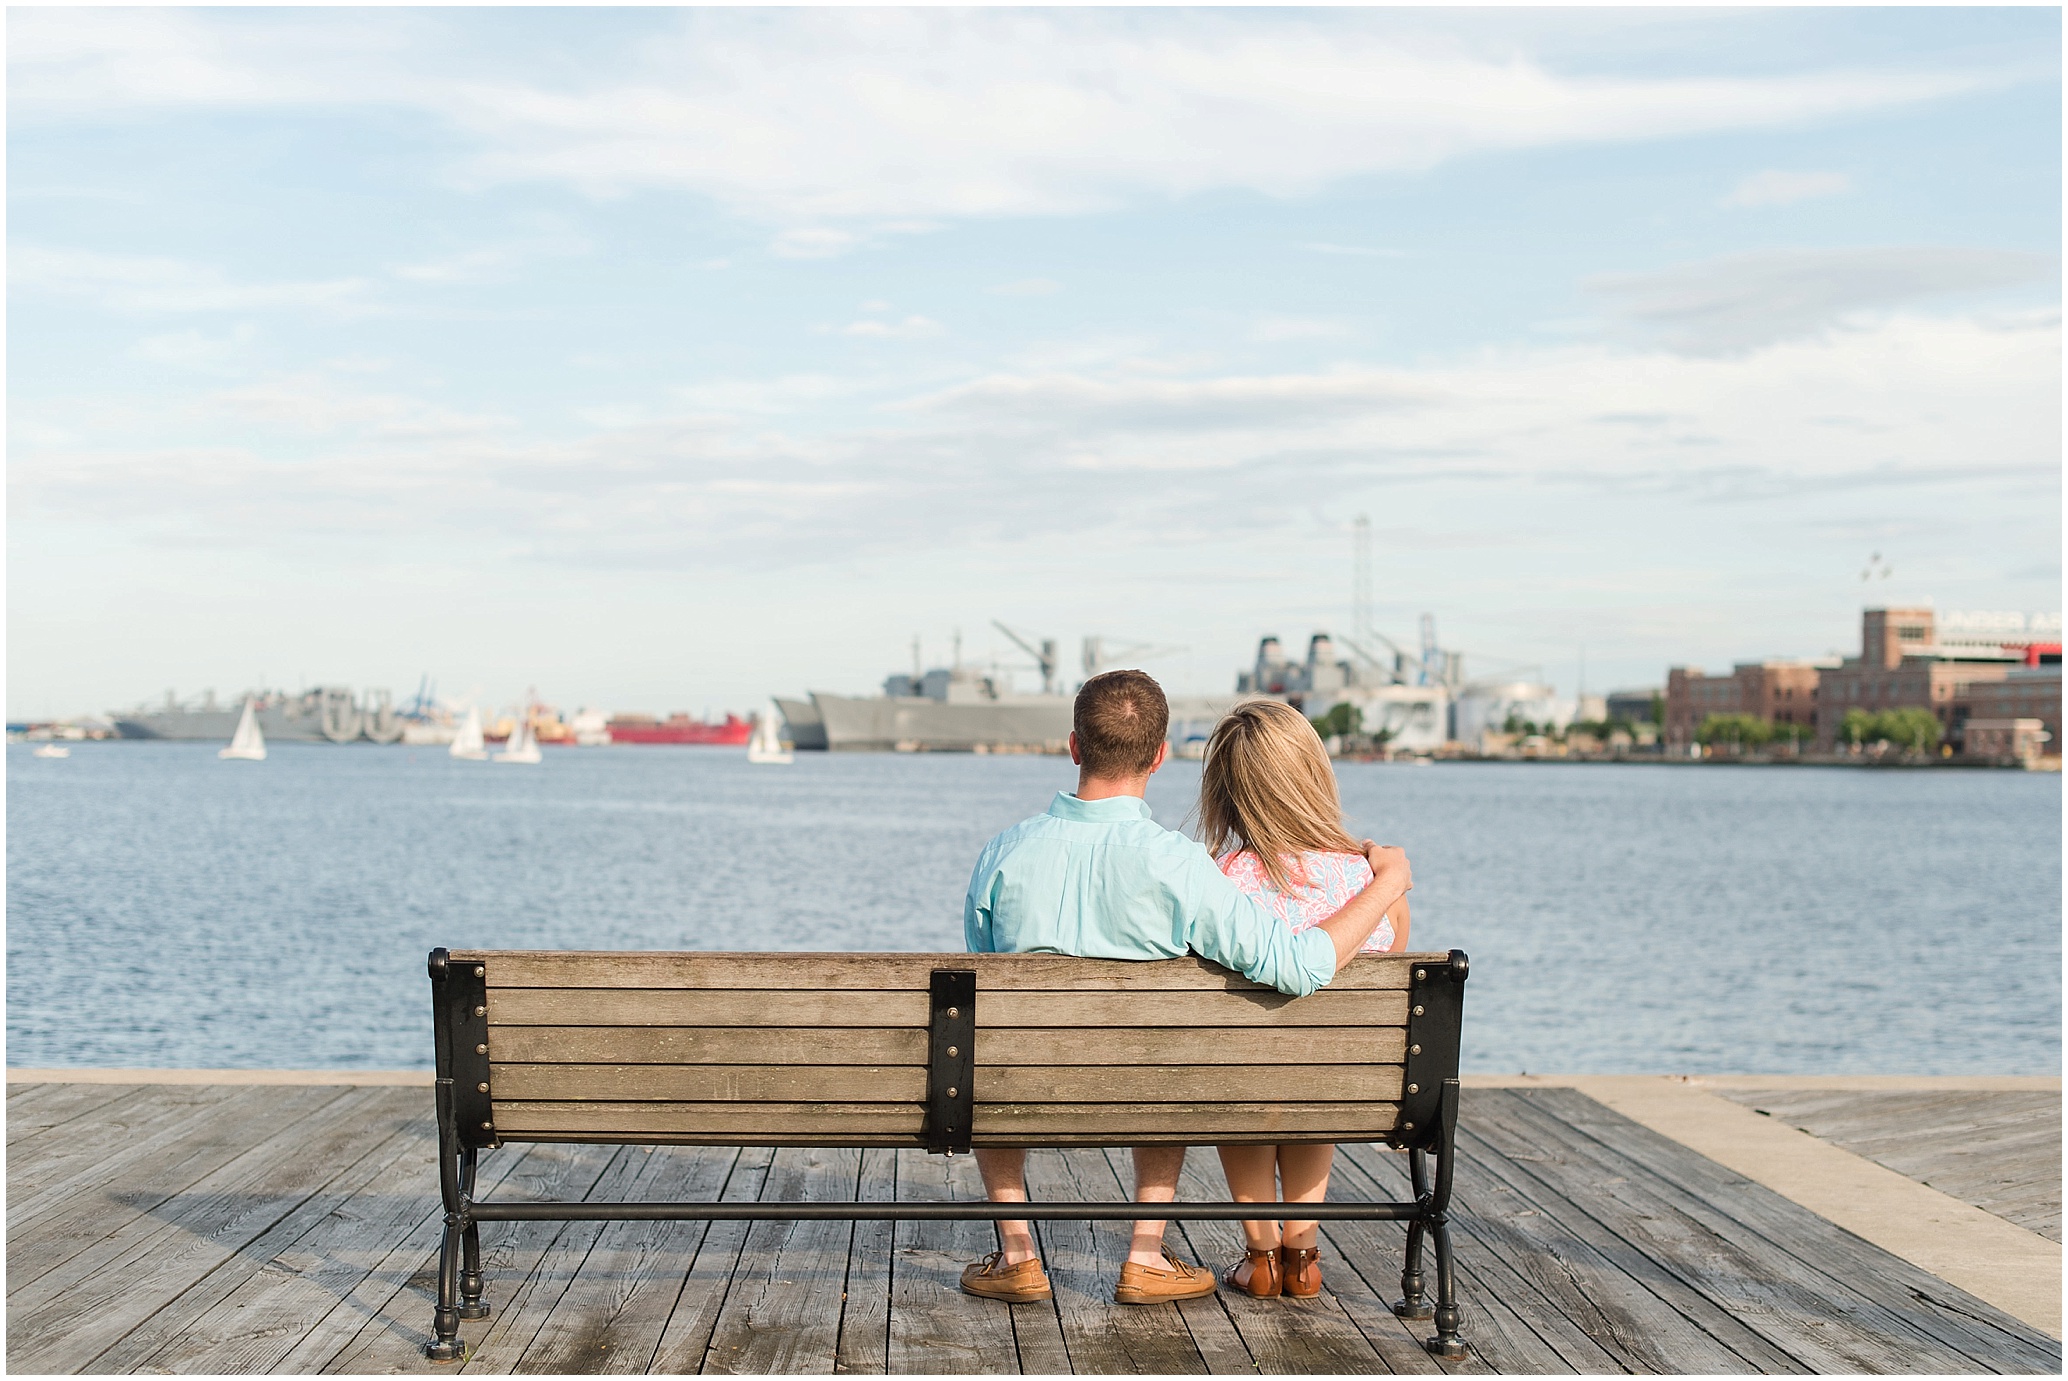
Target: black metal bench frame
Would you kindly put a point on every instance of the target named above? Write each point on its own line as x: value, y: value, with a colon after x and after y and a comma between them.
x: 1428, y: 1126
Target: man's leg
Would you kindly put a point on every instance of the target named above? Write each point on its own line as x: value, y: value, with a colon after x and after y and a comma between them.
x: 1148, y: 1276
x: 1156, y: 1182
x: 1005, y: 1182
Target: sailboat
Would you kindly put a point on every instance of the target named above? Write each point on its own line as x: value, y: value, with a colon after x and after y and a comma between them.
x: 523, y: 746
x: 468, y: 742
x: 765, y: 746
x: 247, y: 744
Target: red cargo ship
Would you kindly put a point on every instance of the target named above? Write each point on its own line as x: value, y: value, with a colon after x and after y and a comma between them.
x: 680, y: 728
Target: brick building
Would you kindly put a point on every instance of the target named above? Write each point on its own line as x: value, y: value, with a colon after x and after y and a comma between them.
x: 1981, y: 666
x: 1780, y: 691
x: 1904, y: 663
x: 2025, y: 692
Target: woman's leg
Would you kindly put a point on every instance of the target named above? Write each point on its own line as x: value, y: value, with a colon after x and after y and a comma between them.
x: 1304, y: 1170
x: 1253, y: 1179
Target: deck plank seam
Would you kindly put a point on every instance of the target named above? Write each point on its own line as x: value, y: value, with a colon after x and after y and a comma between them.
x: 744, y: 1169
x: 847, y: 1264
x: 1055, y: 1307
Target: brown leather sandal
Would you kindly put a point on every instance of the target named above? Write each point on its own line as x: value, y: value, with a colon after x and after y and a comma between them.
x: 1263, y: 1279
x: 1300, y: 1271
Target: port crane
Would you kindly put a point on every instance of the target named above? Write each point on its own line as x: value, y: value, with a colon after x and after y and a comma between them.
x: 1044, y: 657
x: 1098, y: 656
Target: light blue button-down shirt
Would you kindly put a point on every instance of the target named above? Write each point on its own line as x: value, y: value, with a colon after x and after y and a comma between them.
x: 1103, y: 880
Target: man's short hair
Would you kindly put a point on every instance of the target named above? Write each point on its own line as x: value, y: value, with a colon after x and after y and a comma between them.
x: 1121, y: 719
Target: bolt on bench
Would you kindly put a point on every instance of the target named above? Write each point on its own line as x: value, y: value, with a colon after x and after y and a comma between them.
x: 945, y: 1052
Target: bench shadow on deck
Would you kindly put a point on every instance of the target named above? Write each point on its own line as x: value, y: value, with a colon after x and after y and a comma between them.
x: 248, y: 1229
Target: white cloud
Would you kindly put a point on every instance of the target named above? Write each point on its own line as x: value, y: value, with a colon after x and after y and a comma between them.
x: 1745, y: 300
x: 199, y: 351
x: 316, y: 404
x: 493, y: 263
x: 812, y: 242
x: 127, y: 283
x: 1279, y: 328
x: 1115, y: 453
x: 1360, y: 251
x: 905, y: 117
x: 911, y: 328
x: 1776, y: 188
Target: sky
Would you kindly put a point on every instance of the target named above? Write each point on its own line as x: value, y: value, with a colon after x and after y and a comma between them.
x: 668, y: 359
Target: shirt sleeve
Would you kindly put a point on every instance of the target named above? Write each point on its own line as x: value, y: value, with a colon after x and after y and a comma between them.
x: 976, y: 906
x: 1229, y: 927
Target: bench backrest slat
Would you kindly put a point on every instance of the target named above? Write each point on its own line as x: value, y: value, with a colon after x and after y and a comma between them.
x: 815, y: 1049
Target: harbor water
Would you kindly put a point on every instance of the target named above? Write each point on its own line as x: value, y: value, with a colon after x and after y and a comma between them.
x: 166, y: 909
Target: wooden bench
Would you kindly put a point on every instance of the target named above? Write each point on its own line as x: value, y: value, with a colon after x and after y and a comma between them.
x: 945, y: 1052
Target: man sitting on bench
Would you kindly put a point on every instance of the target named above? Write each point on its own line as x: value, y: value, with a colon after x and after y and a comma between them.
x: 1097, y: 877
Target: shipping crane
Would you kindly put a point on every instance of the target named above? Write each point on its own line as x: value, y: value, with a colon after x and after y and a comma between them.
x: 1098, y: 656
x: 1044, y: 658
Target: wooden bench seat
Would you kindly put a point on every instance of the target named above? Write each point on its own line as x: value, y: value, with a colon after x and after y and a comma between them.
x: 942, y: 1051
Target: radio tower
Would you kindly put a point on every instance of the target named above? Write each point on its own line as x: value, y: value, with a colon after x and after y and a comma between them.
x: 1360, y: 582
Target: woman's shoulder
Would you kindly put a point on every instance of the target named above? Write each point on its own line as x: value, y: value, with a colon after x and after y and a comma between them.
x: 1340, y: 874
x: 1243, y: 868
x: 1316, y: 869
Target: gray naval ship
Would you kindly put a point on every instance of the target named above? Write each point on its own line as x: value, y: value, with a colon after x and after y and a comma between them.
x: 327, y: 714
x: 965, y: 709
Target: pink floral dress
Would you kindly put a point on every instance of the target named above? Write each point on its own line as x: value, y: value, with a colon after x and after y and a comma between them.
x: 1322, y: 883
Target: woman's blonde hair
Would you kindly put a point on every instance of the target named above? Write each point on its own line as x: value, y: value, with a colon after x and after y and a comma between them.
x: 1268, y: 788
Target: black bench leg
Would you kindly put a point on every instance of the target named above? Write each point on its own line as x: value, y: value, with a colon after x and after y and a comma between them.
x: 1446, y: 1344
x: 1413, y: 1304
x: 446, y: 1347
x: 452, y: 1188
x: 472, y: 1306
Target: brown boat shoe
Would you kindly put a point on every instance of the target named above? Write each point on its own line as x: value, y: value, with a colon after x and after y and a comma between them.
x: 993, y: 1279
x: 1150, y: 1285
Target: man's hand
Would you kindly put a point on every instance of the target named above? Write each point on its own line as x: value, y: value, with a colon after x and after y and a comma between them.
x: 1389, y: 863
x: 1351, y: 926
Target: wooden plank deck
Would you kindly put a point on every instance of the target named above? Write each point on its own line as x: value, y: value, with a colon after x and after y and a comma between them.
x: 240, y: 1229
x: 1999, y: 1150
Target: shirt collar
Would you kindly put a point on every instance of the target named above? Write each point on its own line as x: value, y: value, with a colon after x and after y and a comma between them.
x: 1110, y: 810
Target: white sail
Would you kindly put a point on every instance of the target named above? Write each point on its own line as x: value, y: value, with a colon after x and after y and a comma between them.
x: 766, y: 746
x: 247, y: 744
x: 523, y: 746
x: 468, y: 742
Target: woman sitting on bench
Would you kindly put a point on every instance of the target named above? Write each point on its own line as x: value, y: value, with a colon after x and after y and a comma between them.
x: 1270, y: 814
